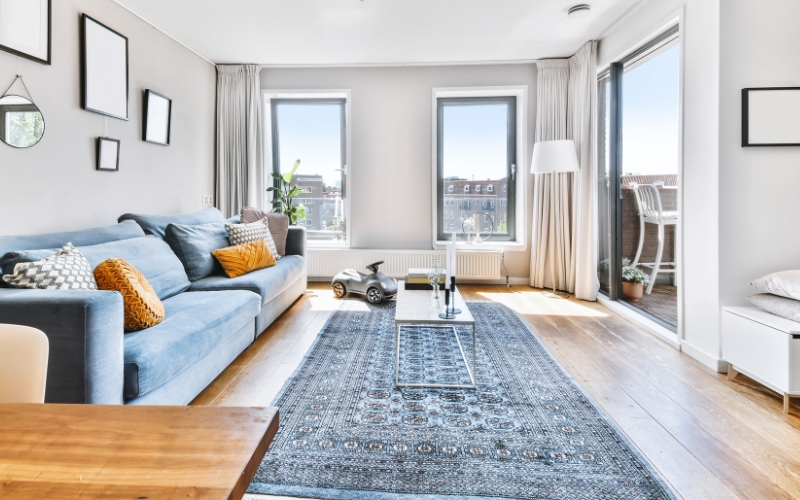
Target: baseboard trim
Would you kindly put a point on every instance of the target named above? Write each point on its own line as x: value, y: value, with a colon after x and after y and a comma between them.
x: 466, y: 281
x: 649, y: 325
x: 717, y: 364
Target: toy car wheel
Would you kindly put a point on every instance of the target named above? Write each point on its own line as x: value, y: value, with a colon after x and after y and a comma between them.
x: 374, y: 295
x: 339, y: 290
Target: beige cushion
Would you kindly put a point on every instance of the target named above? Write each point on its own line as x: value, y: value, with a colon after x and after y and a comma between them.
x: 278, y: 226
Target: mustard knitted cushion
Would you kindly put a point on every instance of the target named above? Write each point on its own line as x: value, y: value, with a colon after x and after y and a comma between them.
x: 142, y: 306
x: 241, y: 259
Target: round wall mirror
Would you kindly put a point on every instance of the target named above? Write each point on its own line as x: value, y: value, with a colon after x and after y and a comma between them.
x: 21, y: 122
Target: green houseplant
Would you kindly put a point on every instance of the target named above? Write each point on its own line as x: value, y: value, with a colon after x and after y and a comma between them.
x: 633, y: 281
x: 284, y: 193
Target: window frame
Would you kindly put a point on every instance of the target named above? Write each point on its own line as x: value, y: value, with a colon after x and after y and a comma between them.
x: 270, y: 147
x: 518, y: 232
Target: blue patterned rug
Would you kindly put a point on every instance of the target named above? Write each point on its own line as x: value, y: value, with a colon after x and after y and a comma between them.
x: 527, y: 432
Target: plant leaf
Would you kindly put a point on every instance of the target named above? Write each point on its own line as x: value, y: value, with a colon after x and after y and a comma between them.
x: 287, y: 177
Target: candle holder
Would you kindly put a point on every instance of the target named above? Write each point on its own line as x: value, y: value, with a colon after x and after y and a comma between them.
x: 447, y: 314
x: 453, y: 289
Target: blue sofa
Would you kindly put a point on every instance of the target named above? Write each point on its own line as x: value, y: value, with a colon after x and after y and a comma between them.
x: 208, y: 322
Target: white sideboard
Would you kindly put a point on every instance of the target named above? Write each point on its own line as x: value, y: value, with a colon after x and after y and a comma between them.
x: 763, y: 346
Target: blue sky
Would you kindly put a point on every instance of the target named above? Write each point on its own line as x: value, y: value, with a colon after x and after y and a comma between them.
x: 650, y: 115
x: 475, y: 141
x: 311, y: 133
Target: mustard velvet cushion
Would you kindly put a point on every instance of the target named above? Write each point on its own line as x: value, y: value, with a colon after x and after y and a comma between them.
x: 142, y: 307
x: 241, y: 259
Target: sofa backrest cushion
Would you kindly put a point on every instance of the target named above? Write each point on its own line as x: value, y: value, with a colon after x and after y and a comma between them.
x: 193, y: 245
x: 156, y: 225
x: 54, y: 241
x: 78, y: 238
x: 150, y: 255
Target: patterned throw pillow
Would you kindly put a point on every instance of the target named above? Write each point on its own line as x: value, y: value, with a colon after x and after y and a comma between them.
x: 239, y: 234
x: 67, y: 269
x: 142, y: 307
x: 241, y: 259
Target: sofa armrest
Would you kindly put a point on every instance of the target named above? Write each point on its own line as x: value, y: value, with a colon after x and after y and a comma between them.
x: 85, y: 330
x: 296, y: 241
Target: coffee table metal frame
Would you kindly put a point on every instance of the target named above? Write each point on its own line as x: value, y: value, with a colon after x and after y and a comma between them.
x: 414, y: 309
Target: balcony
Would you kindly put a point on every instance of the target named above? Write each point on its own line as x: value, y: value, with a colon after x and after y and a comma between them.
x: 662, y: 303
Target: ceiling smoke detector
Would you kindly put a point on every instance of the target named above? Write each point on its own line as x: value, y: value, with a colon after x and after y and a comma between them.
x: 578, y: 11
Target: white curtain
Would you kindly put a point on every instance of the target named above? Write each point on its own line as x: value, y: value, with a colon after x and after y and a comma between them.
x: 240, y: 172
x: 565, y: 204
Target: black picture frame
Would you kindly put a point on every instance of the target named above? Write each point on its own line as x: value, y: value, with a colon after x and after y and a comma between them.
x: 88, y: 73
x: 101, y: 155
x: 150, y: 135
x: 746, y: 115
x: 47, y: 61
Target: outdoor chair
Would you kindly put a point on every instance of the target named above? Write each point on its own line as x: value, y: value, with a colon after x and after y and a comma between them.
x: 651, y: 212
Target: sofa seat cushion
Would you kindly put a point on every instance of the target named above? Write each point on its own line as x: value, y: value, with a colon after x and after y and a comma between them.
x: 195, y: 323
x: 150, y: 255
x: 268, y: 283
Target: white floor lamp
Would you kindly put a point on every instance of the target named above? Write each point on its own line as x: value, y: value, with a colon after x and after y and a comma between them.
x: 551, y: 157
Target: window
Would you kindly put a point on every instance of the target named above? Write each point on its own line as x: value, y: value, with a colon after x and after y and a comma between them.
x: 639, y: 137
x: 477, y: 139
x: 314, y: 131
x: 450, y: 188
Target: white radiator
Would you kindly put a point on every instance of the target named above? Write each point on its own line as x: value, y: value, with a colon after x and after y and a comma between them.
x: 328, y: 262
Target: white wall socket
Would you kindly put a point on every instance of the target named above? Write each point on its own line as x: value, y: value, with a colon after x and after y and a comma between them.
x: 208, y: 200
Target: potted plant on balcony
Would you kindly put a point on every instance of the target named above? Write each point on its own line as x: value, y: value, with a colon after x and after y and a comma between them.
x: 633, y: 281
x: 284, y: 194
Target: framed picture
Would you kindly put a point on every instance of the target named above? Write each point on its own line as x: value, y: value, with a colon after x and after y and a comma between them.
x: 771, y: 116
x: 157, y: 118
x: 25, y: 28
x: 107, y: 154
x: 104, y: 69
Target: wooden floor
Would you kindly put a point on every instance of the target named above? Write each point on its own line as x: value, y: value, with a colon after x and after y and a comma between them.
x: 709, y: 438
x: 661, y: 303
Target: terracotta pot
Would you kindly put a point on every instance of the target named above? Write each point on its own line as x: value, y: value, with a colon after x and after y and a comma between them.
x: 632, y: 291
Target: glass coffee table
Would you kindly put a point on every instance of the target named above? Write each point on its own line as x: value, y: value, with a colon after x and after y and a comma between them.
x: 414, y: 308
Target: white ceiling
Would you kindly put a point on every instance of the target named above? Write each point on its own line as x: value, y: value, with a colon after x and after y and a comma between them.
x: 340, y: 32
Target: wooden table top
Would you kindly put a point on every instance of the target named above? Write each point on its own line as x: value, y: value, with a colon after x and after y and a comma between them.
x: 415, y: 307
x: 131, y: 452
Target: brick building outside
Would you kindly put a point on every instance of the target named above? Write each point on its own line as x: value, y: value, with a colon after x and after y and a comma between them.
x: 486, y: 200
x: 323, y: 204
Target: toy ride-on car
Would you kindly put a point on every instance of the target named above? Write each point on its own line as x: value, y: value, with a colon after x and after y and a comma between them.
x: 376, y: 286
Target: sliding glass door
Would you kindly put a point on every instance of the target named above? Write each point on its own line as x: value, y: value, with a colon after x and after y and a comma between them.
x: 638, y: 179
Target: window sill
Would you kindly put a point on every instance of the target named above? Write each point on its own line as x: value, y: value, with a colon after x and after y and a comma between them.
x: 506, y: 246
x: 328, y: 244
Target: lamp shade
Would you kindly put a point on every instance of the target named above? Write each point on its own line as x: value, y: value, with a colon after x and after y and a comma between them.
x: 554, y: 156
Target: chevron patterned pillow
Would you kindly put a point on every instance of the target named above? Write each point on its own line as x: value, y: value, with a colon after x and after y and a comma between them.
x: 67, y: 269
x: 239, y: 234
x: 142, y: 307
x: 241, y: 259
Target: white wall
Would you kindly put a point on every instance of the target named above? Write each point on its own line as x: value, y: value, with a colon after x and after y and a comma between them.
x: 700, y: 307
x: 391, y: 143
x: 54, y: 186
x: 759, y: 201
